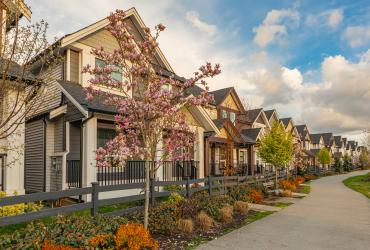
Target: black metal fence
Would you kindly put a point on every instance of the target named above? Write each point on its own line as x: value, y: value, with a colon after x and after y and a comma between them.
x: 214, y: 185
x: 74, y: 174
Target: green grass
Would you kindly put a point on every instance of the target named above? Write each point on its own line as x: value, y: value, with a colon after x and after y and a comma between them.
x: 360, y: 183
x: 257, y: 216
x: 283, y: 204
x: 306, y: 190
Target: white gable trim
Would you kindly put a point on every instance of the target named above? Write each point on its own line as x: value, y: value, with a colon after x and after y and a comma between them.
x: 78, y: 106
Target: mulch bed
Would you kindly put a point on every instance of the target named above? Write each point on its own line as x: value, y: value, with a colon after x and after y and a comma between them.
x: 183, y: 241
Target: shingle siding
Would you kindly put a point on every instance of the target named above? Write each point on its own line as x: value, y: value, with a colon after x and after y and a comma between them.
x: 34, y: 156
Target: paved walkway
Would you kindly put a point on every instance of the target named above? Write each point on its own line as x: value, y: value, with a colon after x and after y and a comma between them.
x: 331, y: 217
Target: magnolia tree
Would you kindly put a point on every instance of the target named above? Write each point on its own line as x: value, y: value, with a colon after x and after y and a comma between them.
x: 298, y: 159
x: 150, y: 122
x: 276, y: 148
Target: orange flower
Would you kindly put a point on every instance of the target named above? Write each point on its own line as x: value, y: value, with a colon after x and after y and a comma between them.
x: 134, y: 237
x: 256, y: 196
x: 100, y: 240
x: 48, y: 246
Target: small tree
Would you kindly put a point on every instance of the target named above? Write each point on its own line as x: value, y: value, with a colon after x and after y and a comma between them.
x: 338, y: 166
x: 364, y: 159
x: 150, y: 123
x: 347, y: 163
x: 298, y: 160
x: 276, y: 148
x: 324, y: 156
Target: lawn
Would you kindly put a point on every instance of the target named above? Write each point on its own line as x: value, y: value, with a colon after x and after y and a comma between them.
x: 360, y: 183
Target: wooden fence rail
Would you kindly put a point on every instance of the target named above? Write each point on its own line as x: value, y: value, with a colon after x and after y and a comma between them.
x: 214, y: 185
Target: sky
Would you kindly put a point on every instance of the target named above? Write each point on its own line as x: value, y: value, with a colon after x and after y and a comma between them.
x: 308, y: 59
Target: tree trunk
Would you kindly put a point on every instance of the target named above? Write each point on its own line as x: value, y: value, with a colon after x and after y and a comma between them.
x: 146, y: 194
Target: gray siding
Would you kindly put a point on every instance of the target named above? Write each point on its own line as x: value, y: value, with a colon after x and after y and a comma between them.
x: 74, y: 141
x: 73, y: 114
x: 59, y: 136
x: 75, y: 66
x: 56, y: 174
x: 52, y: 96
x: 34, y: 156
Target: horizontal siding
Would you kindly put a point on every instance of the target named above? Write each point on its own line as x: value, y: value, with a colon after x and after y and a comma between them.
x: 73, y: 113
x: 34, y: 156
x: 51, y: 97
x: 74, y: 66
x: 74, y: 141
x: 59, y: 136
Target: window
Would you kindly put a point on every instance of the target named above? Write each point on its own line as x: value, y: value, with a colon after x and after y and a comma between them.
x: 224, y: 114
x: 116, y: 73
x: 104, y: 135
x: 232, y: 117
x: 241, y: 157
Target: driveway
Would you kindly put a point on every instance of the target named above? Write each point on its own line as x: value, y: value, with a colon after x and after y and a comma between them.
x: 332, y: 216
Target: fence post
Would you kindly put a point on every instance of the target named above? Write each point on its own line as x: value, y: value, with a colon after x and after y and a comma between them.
x: 152, y: 190
x: 95, y: 198
x: 210, y: 185
x: 187, y: 187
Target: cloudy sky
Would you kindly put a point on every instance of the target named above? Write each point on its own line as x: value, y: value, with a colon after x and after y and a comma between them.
x: 308, y: 59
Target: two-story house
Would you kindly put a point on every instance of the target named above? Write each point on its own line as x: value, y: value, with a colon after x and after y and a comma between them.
x: 229, y: 151
x: 12, y: 91
x: 306, y: 144
x: 62, y: 137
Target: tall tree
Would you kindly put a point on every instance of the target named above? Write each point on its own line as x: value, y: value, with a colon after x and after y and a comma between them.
x: 276, y: 148
x: 324, y: 156
x: 150, y: 120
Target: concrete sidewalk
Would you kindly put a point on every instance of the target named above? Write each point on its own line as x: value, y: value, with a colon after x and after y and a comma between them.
x: 331, y: 217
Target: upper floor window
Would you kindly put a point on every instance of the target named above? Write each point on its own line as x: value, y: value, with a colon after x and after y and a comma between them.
x: 232, y: 117
x: 224, y: 114
x: 116, y: 73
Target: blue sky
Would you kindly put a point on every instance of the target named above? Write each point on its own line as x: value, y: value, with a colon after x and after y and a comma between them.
x: 308, y: 59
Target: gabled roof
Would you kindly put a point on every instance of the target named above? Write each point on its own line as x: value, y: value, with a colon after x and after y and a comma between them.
x: 269, y: 113
x: 253, y: 114
x: 328, y: 138
x: 315, y: 138
x: 308, y: 153
x: 301, y: 129
x: 286, y: 121
x: 75, y: 92
x: 220, y: 94
x: 315, y: 151
x: 338, y: 141
x: 15, y: 71
x: 252, y: 133
x: 229, y: 126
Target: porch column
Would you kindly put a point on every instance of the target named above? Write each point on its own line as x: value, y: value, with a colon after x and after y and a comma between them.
x: 89, y: 147
x: 198, y: 154
x: 159, y: 172
x: 206, y: 158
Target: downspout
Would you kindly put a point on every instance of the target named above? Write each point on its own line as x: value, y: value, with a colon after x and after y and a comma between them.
x: 45, y: 127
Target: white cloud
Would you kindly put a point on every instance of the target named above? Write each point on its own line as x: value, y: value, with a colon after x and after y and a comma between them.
x: 331, y: 18
x: 275, y: 25
x: 357, y: 36
x: 193, y: 18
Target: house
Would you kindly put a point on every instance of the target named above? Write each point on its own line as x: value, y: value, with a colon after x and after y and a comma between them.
x: 254, y: 124
x: 290, y: 127
x: 11, y: 146
x: 306, y: 142
x: 62, y: 137
x: 339, y: 147
x: 229, y: 151
x: 272, y: 116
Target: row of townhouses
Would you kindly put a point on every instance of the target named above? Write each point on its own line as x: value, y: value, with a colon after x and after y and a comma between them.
x: 60, y: 139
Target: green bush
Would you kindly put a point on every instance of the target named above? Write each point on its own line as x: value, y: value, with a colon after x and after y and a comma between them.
x: 214, y: 203
x: 238, y: 193
x: 189, y: 208
x: 175, y: 198
x: 173, y: 188
x: 63, y: 230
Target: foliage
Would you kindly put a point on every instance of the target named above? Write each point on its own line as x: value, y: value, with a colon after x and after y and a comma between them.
x: 226, y: 214
x: 173, y: 188
x: 134, y: 237
x: 364, y: 159
x: 188, y: 208
x: 213, y: 205
x: 286, y: 193
x: 360, y: 183
x: 18, y: 208
x: 256, y: 196
x: 310, y: 177
x: 276, y: 146
x: 48, y: 246
x: 62, y: 230
x: 241, y: 207
x: 299, y: 180
x: 240, y: 193
x: 175, y: 198
x: 338, y: 165
x: 101, y: 241
x: 347, y: 163
x: 185, y: 226
x: 151, y: 107
x: 203, y: 221
x: 287, y: 185
x: 324, y: 156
